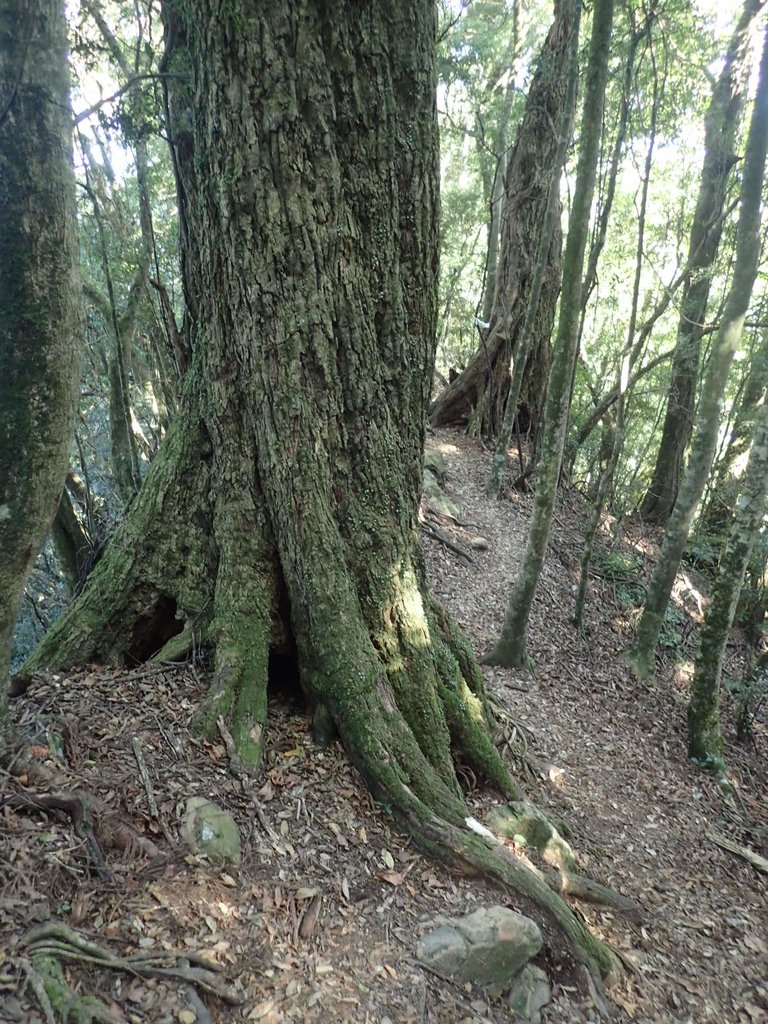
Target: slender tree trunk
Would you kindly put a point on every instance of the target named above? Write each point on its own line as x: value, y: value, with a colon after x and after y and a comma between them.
x: 618, y: 430
x: 496, y: 197
x: 713, y: 388
x: 617, y: 153
x: 282, y: 510
x: 705, y: 738
x: 721, y: 131
x: 510, y: 649
x: 40, y: 327
x: 478, y: 396
x: 549, y: 227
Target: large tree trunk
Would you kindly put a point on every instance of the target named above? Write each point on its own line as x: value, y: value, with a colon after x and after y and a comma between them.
x: 40, y: 331
x: 721, y: 130
x: 713, y: 388
x: 281, y: 511
x: 478, y: 396
x: 526, y: 339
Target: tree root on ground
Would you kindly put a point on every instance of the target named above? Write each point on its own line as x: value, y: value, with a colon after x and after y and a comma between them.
x: 528, y: 826
x: 478, y: 850
x: 92, y: 827
x: 39, y: 954
x: 77, y: 809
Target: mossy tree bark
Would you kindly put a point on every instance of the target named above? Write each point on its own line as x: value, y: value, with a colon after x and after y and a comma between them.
x: 713, y: 387
x: 550, y: 225
x: 511, y: 648
x: 705, y: 738
x: 479, y: 394
x: 721, y: 131
x: 282, y: 507
x: 40, y: 329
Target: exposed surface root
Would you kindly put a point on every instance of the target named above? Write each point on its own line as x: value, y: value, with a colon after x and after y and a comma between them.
x: 39, y: 955
x: 478, y: 850
x: 528, y: 826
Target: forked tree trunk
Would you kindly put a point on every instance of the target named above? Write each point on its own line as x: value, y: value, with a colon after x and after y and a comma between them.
x: 478, y: 396
x: 40, y: 328
x: 721, y: 131
x: 281, y: 510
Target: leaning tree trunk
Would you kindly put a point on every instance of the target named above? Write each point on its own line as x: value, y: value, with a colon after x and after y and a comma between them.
x: 281, y: 511
x: 721, y: 131
x: 478, y: 396
x: 40, y: 331
x: 713, y: 388
x: 705, y: 737
x: 510, y: 649
x: 724, y: 486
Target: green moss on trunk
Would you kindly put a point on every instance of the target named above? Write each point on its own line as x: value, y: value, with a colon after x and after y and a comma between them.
x: 40, y: 322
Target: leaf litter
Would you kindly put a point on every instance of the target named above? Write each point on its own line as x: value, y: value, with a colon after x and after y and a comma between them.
x: 320, y: 920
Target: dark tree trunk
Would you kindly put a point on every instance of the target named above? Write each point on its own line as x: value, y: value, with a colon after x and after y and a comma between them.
x: 478, y: 396
x: 281, y: 511
x: 721, y: 129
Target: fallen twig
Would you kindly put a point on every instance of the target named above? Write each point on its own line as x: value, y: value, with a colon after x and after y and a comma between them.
x: 438, y: 535
x: 78, y: 811
x: 139, y: 755
x: 741, y: 851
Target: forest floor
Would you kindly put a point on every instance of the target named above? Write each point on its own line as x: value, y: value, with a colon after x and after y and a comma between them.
x: 320, y: 920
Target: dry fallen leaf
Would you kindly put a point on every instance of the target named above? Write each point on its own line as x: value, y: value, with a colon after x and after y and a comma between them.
x: 392, y: 877
x: 310, y: 918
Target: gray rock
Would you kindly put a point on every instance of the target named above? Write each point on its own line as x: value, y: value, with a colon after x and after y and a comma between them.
x: 434, y: 464
x: 444, y: 949
x: 478, y: 543
x: 530, y: 993
x: 436, y: 497
x: 210, y: 831
x: 488, y: 947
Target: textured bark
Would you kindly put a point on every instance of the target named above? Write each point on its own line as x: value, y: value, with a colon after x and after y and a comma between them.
x: 510, y: 650
x: 705, y: 738
x: 281, y: 511
x: 72, y: 543
x: 721, y: 131
x: 40, y: 332
x: 713, y: 387
x: 550, y: 225
x: 282, y: 508
x: 478, y: 396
